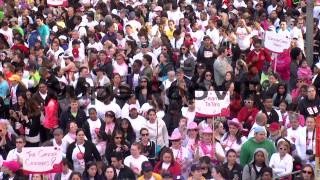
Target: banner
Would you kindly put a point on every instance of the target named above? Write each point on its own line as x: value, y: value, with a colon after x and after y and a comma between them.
x: 275, y: 42
x: 41, y: 160
x: 63, y: 3
x: 212, y: 103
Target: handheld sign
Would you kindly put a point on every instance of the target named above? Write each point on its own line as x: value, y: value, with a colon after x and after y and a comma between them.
x: 276, y: 42
x: 212, y: 103
x: 41, y: 160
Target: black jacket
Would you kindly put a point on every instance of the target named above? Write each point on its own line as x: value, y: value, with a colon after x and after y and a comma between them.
x: 10, y: 144
x: 235, y: 172
x: 126, y: 173
x: 272, y: 117
x: 91, y: 153
x: 66, y: 117
x: 308, y: 107
x: 52, y: 84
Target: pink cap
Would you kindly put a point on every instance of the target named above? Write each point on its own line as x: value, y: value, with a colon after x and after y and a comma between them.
x: 235, y: 122
x: 207, y: 130
x: 175, y: 135
x: 192, y: 125
x: 13, y: 166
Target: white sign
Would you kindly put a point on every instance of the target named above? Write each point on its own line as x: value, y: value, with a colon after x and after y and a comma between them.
x: 212, y: 103
x: 42, y: 160
x: 275, y: 42
x: 55, y: 2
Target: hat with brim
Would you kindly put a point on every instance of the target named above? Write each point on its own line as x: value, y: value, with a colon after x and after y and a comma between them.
x: 192, y: 125
x: 15, y: 77
x: 235, y: 122
x: 207, y: 130
x: 175, y: 136
x: 157, y: 9
x: 13, y: 166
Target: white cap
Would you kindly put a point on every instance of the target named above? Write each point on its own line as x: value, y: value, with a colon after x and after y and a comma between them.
x: 55, y: 29
x: 114, y: 11
x: 63, y: 37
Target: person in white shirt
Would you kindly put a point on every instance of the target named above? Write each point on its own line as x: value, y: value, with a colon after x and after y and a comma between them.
x: 293, y: 132
x: 243, y: 35
x: 261, y: 120
x: 157, y: 129
x: 92, y: 126
x: 213, y: 32
x: 180, y: 153
x: 283, y: 31
x: 136, y: 120
x: 15, y: 154
x: 80, y: 26
x: 189, y: 112
x: 282, y: 162
x: 7, y: 32
x: 135, y: 160
x: 306, y: 143
x: 66, y: 171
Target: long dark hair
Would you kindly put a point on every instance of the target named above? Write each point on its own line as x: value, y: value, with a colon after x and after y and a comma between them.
x: 169, y: 151
x: 238, y: 136
x: 114, y: 172
x: 115, y: 132
x: 88, y: 165
x: 280, y: 97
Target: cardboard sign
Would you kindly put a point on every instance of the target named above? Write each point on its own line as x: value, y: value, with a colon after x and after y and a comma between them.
x: 275, y: 42
x: 41, y: 160
x: 212, y: 103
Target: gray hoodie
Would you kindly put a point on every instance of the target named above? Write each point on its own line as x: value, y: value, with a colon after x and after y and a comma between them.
x: 249, y: 172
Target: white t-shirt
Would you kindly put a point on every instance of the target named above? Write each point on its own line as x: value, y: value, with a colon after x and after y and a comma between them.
x: 132, y: 162
x: 281, y: 166
x: 8, y: 34
x: 13, y: 155
x: 188, y: 114
x: 78, y: 164
x: 243, y: 38
x: 94, y: 125
x: 137, y: 124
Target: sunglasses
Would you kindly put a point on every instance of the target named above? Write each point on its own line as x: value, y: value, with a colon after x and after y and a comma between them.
x: 306, y: 172
x: 284, y: 149
x: 118, y: 137
x: 183, y: 48
x: 143, y: 81
x: 145, y: 134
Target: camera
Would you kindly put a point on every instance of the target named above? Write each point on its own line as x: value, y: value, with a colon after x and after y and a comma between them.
x: 309, y: 152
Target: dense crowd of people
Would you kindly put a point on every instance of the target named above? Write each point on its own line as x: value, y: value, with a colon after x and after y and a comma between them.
x: 112, y: 84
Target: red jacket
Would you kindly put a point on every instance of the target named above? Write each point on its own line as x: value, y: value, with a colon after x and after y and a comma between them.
x: 261, y: 57
x: 173, y: 169
x: 245, y: 115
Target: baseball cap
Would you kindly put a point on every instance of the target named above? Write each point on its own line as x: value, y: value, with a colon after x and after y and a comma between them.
x: 146, y: 166
x: 274, y: 126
